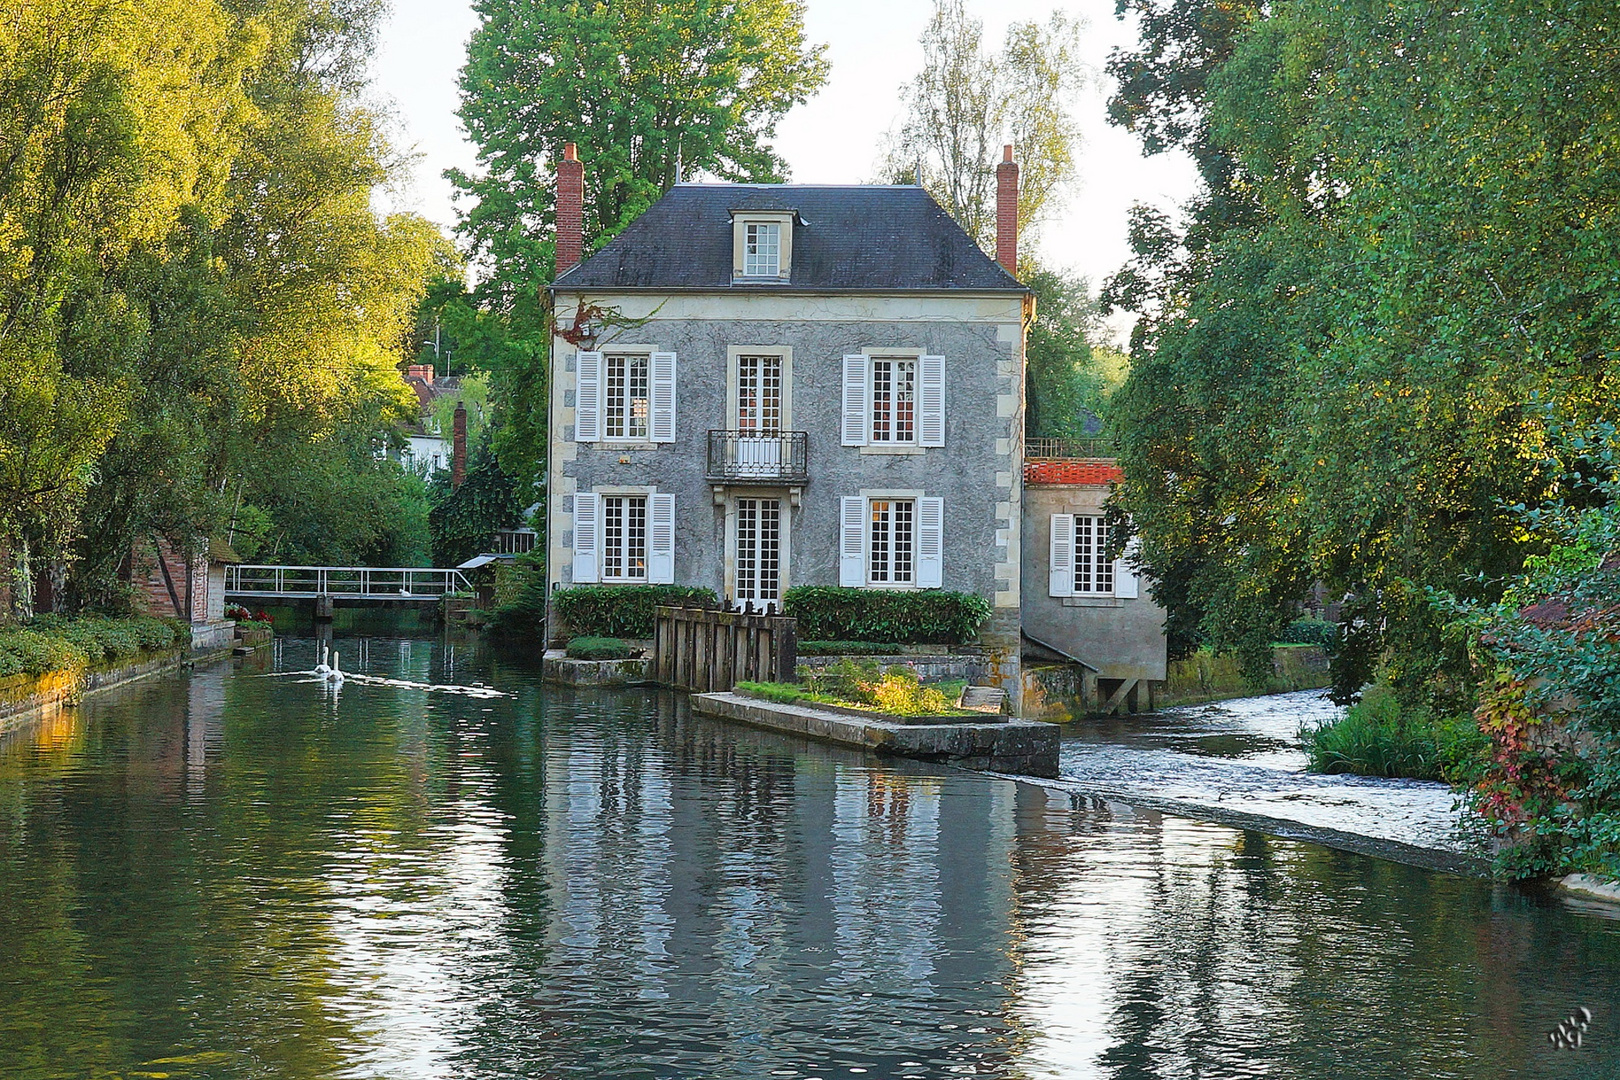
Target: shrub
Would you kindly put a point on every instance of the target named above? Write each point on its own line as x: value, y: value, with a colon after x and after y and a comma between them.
x: 101, y: 638
x: 829, y: 613
x: 1309, y: 632
x: 844, y: 648
x: 29, y: 652
x: 599, y: 648
x: 1377, y: 737
x: 896, y: 690
x: 626, y: 611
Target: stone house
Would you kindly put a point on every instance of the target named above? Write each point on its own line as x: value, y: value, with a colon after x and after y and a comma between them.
x: 758, y: 386
x: 1082, y: 609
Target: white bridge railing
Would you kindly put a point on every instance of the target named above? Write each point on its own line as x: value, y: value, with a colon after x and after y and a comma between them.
x: 353, y: 582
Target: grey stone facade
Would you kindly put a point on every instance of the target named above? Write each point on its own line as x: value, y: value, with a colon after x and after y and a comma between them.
x: 964, y: 472
x: 1115, y: 638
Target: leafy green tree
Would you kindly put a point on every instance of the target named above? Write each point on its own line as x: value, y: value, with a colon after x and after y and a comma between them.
x: 1063, y: 385
x: 1333, y: 385
x: 643, y: 88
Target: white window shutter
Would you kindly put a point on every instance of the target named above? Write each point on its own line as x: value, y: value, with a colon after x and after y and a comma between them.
x: 855, y: 400
x: 662, y: 378
x: 852, y: 542
x: 931, y: 401
x: 1126, y: 581
x: 1061, y: 563
x: 661, y: 540
x: 587, y: 537
x: 588, y: 397
x: 930, y: 543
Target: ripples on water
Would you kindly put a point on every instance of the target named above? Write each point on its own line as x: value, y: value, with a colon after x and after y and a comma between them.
x: 226, y: 876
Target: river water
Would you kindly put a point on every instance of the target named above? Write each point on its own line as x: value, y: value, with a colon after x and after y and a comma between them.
x: 232, y: 875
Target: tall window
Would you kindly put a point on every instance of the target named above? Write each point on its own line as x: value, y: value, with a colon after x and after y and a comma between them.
x: 759, y: 393
x: 1093, y: 570
x: 624, y: 538
x: 891, y: 555
x: 894, y: 399
x: 627, y: 402
x: 759, y: 551
x: 762, y: 249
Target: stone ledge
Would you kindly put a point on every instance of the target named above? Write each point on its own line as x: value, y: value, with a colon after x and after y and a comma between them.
x: 1024, y: 747
x: 559, y: 668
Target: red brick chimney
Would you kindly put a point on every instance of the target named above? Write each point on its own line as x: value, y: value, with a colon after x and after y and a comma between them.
x: 458, y: 447
x: 570, y: 210
x: 420, y: 371
x: 1007, y: 211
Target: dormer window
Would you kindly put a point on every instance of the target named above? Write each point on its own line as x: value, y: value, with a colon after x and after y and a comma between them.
x: 762, y: 249
x: 762, y: 245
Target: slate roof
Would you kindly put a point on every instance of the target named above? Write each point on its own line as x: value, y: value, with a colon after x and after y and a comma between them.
x: 857, y: 238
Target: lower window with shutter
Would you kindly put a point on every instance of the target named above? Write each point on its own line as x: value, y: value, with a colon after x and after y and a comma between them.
x: 1080, y: 565
x: 894, y: 542
x: 624, y: 538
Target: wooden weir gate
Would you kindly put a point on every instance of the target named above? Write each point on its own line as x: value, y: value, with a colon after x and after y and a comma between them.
x: 706, y: 650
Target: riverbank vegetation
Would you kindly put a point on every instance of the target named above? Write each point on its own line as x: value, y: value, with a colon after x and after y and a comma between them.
x: 1379, y: 340
x: 200, y: 313
x: 931, y: 617
x: 52, y: 643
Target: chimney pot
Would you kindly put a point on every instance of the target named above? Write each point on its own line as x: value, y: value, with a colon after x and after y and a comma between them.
x: 1007, y: 211
x: 570, y: 210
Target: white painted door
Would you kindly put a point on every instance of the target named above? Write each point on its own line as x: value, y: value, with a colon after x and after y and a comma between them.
x: 759, y: 415
x: 759, y: 552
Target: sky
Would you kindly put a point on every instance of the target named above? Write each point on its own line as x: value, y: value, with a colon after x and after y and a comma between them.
x: 836, y: 137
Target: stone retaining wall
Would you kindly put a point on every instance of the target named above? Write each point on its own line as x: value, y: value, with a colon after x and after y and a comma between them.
x: 1024, y: 747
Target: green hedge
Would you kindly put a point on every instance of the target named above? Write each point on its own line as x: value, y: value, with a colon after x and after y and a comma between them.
x: 599, y: 648
x: 623, y: 611
x: 829, y: 613
x: 28, y: 652
x: 102, y: 638
x: 1309, y: 632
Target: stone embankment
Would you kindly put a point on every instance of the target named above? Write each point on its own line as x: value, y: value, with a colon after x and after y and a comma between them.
x: 26, y: 698
x: 1019, y: 747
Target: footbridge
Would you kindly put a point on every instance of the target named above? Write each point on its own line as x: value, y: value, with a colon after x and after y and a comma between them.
x: 339, y: 584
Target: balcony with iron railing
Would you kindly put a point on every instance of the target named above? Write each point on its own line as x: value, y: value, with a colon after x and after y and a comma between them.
x: 759, y: 457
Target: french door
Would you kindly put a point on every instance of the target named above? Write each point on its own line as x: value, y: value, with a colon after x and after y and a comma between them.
x: 758, y: 552
x: 759, y: 414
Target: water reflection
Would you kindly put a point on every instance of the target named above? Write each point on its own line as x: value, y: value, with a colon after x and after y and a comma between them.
x: 225, y: 876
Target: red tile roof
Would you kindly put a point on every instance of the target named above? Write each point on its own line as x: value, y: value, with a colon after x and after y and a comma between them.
x: 1095, y: 473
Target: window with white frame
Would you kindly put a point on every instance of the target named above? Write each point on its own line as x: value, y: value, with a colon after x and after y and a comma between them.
x: 762, y: 249
x: 758, y: 551
x: 627, y: 401
x: 1080, y: 565
x: 624, y: 538
x: 891, y: 551
x: 893, y: 541
x: 1093, y: 569
x: 894, y: 400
